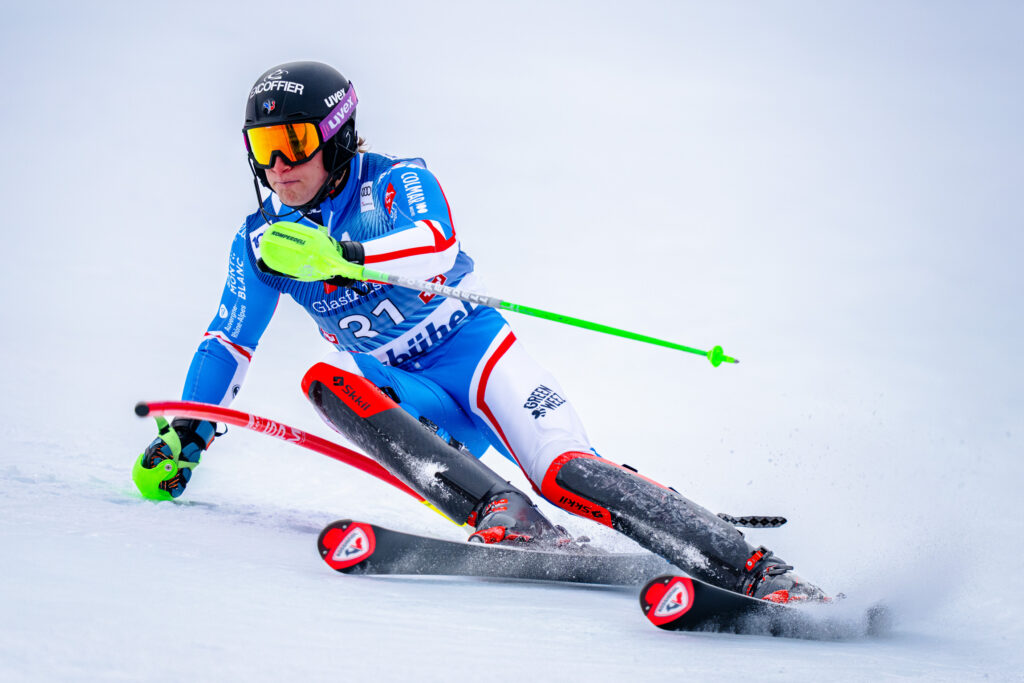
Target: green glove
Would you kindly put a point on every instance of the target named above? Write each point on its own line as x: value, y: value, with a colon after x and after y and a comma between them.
x: 304, y: 253
x: 165, y: 467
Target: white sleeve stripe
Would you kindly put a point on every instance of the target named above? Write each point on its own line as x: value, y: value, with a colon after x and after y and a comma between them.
x: 240, y: 353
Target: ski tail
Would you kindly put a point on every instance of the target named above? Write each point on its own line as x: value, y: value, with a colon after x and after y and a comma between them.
x: 345, y: 545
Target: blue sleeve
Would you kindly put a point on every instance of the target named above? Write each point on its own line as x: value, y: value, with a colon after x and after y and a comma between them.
x: 246, y: 306
x: 413, y: 195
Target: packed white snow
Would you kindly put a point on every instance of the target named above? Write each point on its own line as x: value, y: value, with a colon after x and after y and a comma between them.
x: 831, y: 192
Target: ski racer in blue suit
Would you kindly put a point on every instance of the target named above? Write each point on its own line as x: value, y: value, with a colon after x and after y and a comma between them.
x: 396, y: 210
x: 448, y: 379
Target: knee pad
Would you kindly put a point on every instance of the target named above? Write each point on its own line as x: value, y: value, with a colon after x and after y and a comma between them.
x: 589, y: 486
x: 359, y: 395
x: 578, y: 500
x: 454, y: 481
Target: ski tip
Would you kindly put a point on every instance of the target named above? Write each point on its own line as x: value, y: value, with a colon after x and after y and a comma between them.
x: 142, y: 409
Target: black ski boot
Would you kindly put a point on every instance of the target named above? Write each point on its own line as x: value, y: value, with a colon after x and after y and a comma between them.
x: 668, y: 524
x: 767, y: 577
x: 510, y: 517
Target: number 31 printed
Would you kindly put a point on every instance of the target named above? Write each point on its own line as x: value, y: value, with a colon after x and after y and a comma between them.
x: 364, y: 326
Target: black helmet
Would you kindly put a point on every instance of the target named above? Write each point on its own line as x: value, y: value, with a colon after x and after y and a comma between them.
x: 306, y: 92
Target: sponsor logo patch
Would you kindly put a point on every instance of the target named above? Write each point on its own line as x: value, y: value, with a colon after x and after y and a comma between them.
x: 676, y: 601
x: 254, y: 239
x: 431, y: 334
x: 667, y: 599
x: 366, y: 197
x: 414, y: 192
x: 341, y: 113
x: 347, y: 545
x: 334, y: 99
x: 438, y: 280
x: 576, y: 505
x: 541, y: 400
x: 351, y: 395
x: 236, y: 276
x: 340, y: 298
x: 275, y: 81
x: 354, y: 546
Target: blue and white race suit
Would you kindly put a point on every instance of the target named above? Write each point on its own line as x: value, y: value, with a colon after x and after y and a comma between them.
x: 456, y: 364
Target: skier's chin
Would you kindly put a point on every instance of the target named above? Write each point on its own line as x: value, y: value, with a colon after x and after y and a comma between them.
x: 293, y: 193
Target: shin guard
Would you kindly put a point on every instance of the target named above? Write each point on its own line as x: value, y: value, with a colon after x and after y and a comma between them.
x: 656, y: 517
x: 454, y: 482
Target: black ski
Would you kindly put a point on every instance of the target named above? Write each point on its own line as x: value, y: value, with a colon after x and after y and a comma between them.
x: 681, y: 603
x: 361, y: 548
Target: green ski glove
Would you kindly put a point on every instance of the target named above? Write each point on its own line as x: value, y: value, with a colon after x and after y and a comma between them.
x: 310, y: 255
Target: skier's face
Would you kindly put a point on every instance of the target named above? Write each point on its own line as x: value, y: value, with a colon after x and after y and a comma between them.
x: 297, y: 185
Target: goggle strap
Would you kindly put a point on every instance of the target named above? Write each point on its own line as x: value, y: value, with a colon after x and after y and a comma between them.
x: 340, y: 115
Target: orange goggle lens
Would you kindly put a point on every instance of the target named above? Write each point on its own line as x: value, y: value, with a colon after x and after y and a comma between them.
x: 297, y: 142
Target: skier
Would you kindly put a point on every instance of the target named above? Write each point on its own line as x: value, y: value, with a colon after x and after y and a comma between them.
x: 423, y: 383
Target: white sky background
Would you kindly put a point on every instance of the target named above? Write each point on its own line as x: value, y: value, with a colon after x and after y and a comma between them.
x: 829, y: 190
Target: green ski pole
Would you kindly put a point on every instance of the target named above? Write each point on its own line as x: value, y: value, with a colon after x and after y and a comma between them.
x: 311, y: 255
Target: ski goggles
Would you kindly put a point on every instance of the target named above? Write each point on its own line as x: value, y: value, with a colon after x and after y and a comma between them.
x: 298, y: 142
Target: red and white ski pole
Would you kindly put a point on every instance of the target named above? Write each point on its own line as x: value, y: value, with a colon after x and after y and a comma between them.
x: 213, y: 413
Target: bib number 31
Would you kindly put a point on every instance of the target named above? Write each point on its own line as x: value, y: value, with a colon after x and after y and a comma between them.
x: 361, y: 326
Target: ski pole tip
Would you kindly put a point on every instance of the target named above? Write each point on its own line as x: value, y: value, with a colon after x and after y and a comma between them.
x: 717, y: 357
x: 142, y: 409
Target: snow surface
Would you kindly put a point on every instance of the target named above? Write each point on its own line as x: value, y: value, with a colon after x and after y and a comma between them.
x: 829, y: 190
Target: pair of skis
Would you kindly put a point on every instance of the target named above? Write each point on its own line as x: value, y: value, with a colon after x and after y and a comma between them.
x: 669, y: 600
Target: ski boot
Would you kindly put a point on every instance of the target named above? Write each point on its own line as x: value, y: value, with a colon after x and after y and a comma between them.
x: 767, y: 577
x: 510, y: 517
x: 665, y: 522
